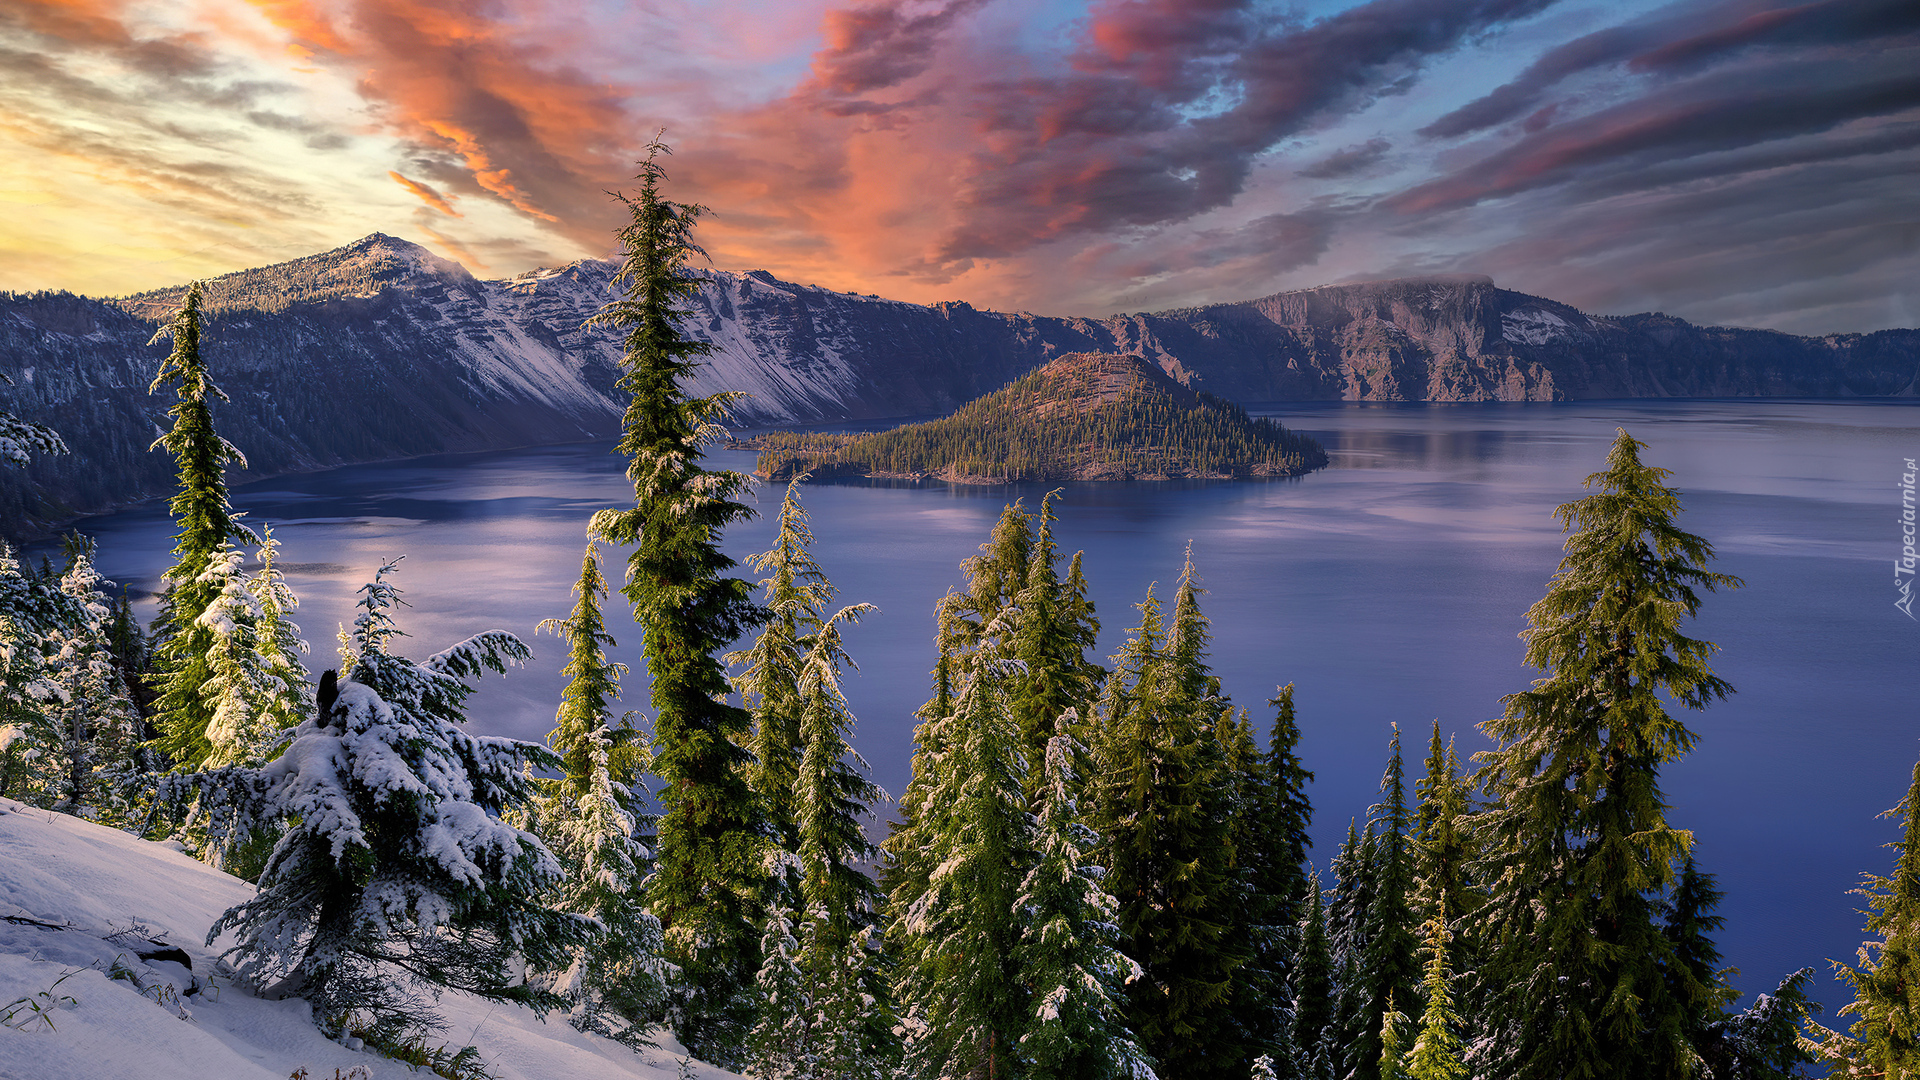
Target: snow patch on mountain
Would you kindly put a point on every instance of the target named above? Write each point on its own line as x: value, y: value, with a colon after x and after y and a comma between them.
x: 1533, y: 326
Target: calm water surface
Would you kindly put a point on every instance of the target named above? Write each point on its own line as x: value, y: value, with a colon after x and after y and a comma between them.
x: 1389, y: 588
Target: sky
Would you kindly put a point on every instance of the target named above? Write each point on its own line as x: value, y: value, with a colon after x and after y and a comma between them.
x: 1734, y: 162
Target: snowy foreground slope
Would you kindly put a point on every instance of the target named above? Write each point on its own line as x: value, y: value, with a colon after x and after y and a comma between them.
x: 77, y: 897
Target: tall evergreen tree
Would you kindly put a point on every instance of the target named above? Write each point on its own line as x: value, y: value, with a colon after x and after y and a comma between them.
x: 1055, y: 629
x: 709, y: 870
x: 1441, y: 851
x: 1167, y: 836
x: 1437, y: 1051
x: 1577, y: 847
x: 1068, y: 954
x: 1388, y: 969
x: 592, y: 817
x: 206, y: 522
x: 86, y: 738
x: 1884, y: 1039
x: 256, y: 683
x: 964, y: 1010
x: 1311, y: 983
x: 1349, y: 934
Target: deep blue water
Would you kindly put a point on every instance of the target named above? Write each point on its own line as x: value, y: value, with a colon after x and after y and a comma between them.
x: 1388, y: 588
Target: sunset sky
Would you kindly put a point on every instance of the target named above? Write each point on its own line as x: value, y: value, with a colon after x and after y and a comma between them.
x: 1744, y: 162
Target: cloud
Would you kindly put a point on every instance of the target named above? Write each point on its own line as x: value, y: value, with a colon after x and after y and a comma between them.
x: 1347, y: 161
x: 427, y: 194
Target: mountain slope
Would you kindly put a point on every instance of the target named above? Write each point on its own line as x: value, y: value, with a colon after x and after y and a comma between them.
x: 78, y: 898
x: 381, y: 350
x: 1085, y: 416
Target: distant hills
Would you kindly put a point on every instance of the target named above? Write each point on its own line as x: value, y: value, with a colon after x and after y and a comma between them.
x: 1084, y: 416
x: 381, y: 349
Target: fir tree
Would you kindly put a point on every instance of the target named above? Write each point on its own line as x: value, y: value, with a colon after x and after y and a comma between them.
x: 1056, y: 627
x: 1349, y: 935
x: 709, y: 870
x: 1387, y: 967
x: 397, y: 877
x: 1167, y: 837
x: 1441, y: 851
x: 1272, y: 843
x: 1884, y: 1039
x: 1437, y: 1050
x: 88, y: 767
x: 782, y: 1044
x: 1311, y: 982
x: 591, y: 818
x: 1393, y: 1051
x: 1068, y: 955
x: 257, y: 684
x: 1576, y: 842
x: 964, y: 1011
x: 21, y: 439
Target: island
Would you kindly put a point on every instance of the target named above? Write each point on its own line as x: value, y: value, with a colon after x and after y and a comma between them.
x: 1084, y: 416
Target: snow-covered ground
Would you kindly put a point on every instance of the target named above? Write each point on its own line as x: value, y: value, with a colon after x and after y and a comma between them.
x: 75, y: 898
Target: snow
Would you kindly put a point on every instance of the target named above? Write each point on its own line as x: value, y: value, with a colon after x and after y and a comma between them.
x: 75, y: 897
x: 1533, y: 326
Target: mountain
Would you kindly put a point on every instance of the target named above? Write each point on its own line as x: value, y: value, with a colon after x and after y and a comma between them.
x: 1084, y: 416
x: 381, y: 350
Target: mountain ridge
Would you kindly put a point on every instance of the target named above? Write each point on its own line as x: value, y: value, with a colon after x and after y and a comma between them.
x: 381, y: 349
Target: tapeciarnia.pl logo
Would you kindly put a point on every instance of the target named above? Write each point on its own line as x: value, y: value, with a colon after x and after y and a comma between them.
x: 1903, y: 566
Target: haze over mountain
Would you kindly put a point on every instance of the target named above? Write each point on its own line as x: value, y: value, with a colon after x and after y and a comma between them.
x: 381, y: 349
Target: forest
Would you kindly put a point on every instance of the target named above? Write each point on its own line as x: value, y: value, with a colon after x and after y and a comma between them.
x: 1098, y: 869
x: 1084, y: 416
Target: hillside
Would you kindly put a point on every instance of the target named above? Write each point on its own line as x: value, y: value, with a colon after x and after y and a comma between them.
x: 1085, y: 416
x: 76, y: 898
x: 381, y: 350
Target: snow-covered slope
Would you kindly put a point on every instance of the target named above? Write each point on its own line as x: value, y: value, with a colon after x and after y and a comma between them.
x: 77, y: 898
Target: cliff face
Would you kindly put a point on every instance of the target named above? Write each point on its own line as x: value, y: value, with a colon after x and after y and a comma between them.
x: 381, y: 349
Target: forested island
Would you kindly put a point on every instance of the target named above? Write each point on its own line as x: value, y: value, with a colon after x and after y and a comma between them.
x: 1085, y: 416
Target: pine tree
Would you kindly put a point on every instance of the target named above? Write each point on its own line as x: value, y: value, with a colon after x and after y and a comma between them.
x: 1387, y: 967
x: 1311, y: 982
x: 1393, y: 1052
x: 781, y: 1045
x: 1884, y: 1039
x: 256, y: 684
x: 796, y: 590
x: 21, y: 439
x: 1349, y: 935
x: 963, y: 1009
x: 397, y: 877
x: 1167, y: 836
x: 708, y: 878
x: 591, y: 818
x: 1067, y: 954
x: 1055, y: 629
x: 1441, y: 851
x: 87, y: 766
x: 1437, y: 1051
x: 1576, y: 843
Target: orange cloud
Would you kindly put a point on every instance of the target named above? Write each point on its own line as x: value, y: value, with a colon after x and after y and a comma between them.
x: 427, y: 194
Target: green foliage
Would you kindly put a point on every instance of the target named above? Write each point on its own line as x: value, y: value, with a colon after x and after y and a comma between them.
x: 710, y: 867
x: 1437, y: 1053
x: 206, y: 522
x: 1312, y: 985
x: 1577, y: 848
x: 1055, y: 423
x: 21, y: 439
x: 1387, y: 970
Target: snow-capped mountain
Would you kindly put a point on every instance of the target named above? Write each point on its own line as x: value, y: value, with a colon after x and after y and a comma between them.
x: 381, y: 349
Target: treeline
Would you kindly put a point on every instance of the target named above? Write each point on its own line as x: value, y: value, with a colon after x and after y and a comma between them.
x: 1034, y: 429
x: 1096, y: 871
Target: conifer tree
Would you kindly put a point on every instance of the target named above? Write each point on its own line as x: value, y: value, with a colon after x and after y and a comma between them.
x: 21, y: 439
x: 1441, y: 851
x: 781, y: 1045
x: 964, y: 1011
x: 1576, y: 843
x: 1884, y: 1039
x: 206, y: 522
x: 592, y: 818
x: 88, y: 724
x: 1055, y: 629
x: 1348, y: 936
x: 397, y: 876
x: 1311, y: 982
x: 1387, y: 967
x: 1437, y: 1051
x: 256, y: 684
x: 709, y: 871
x: 1167, y: 836
x: 1393, y: 1050
x: 1068, y: 954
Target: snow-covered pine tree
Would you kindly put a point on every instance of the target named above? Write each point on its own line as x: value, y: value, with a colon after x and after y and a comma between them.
x: 256, y: 682
x: 1166, y: 835
x: 1393, y: 1047
x: 1055, y: 629
x: 781, y: 1045
x: 397, y: 876
x: 1437, y: 1053
x: 1576, y: 845
x: 206, y: 522
x: 591, y: 818
x: 1884, y: 1038
x: 1310, y: 982
x: 910, y: 840
x: 21, y: 439
x: 1068, y: 954
x: 709, y: 872
x: 795, y: 592
x: 1260, y: 1013
x: 1388, y: 968
x: 1348, y: 936
x: 1272, y: 843
x: 963, y: 1011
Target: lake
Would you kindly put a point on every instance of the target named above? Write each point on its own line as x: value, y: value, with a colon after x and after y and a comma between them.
x: 1388, y: 588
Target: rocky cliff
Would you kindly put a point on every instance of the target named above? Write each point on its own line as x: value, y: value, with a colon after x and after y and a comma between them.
x: 381, y: 349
